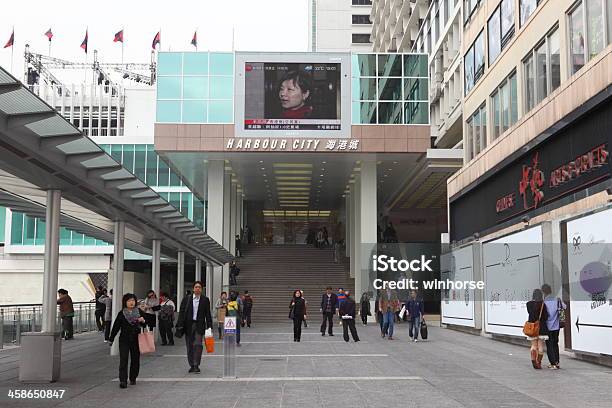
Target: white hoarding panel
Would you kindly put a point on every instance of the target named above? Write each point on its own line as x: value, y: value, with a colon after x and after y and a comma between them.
x: 590, y: 276
x: 458, y: 305
x: 513, y: 268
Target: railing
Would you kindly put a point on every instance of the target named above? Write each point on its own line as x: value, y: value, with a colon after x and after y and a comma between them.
x: 18, y: 319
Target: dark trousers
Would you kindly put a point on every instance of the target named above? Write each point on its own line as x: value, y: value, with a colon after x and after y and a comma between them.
x: 107, y: 329
x: 193, y: 341
x: 349, y: 324
x: 129, y: 349
x: 364, y: 318
x: 328, y: 322
x: 552, y: 346
x: 237, y: 332
x: 100, y: 319
x: 232, y: 279
x: 297, y: 328
x: 165, y: 331
x: 247, y: 317
x: 67, y: 328
x: 150, y: 320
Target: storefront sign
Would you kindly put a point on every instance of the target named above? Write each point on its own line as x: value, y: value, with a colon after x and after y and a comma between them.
x: 279, y: 144
x: 566, y: 162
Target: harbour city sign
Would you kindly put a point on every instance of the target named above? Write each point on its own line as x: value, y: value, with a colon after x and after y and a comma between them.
x: 291, y: 144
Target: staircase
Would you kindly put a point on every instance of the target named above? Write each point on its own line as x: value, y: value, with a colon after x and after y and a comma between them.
x: 272, y: 273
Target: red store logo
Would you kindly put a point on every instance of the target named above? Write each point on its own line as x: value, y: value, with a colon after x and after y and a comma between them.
x: 531, y: 182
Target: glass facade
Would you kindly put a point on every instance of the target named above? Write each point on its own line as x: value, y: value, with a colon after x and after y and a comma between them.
x: 195, y: 87
x: 26, y: 230
x: 198, y: 87
x: 389, y: 89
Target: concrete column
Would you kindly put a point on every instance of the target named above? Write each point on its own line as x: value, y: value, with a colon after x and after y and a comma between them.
x: 353, y: 238
x: 227, y: 231
x: 155, y: 265
x: 233, y: 217
x: 52, y: 222
x: 357, y: 251
x: 368, y: 213
x: 209, y: 281
x: 241, y: 215
x: 215, y: 185
x: 348, y: 239
x: 119, y: 246
x: 180, y: 276
x: 198, y: 269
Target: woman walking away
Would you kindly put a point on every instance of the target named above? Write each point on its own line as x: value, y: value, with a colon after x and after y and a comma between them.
x: 365, y: 308
x: 348, y: 314
x: 537, y: 313
x: 221, y: 308
x: 297, y: 312
x: 129, y: 321
x: 151, y: 305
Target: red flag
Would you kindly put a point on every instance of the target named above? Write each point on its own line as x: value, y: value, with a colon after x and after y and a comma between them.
x: 194, y: 40
x: 49, y: 34
x: 156, y: 40
x: 11, y: 40
x: 85, y: 40
x: 118, y: 36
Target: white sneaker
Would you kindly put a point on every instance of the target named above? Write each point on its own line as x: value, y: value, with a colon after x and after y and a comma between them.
x: 415, y: 340
x: 106, y: 341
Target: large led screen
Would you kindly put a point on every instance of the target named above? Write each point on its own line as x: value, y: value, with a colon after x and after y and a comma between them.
x: 291, y: 95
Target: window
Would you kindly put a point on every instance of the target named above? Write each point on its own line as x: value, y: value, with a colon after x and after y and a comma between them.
x: 469, y: 7
x: 587, y: 31
x: 526, y: 8
x: 361, y: 19
x: 361, y: 38
x: 505, y: 106
x: 474, y: 63
x: 362, y: 2
x: 542, y: 70
x: 476, y: 132
x: 500, y: 28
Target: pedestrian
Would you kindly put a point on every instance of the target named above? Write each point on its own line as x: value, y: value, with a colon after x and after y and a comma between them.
x: 238, y: 246
x: 66, y: 313
x: 99, y: 313
x: 365, y: 308
x: 297, y: 312
x: 379, y: 313
x: 415, y: 309
x: 151, y: 305
x: 193, y: 320
x: 389, y: 305
x: 234, y: 309
x: 248, y: 308
x: 129, y: 321
x: 329, y: 303
x: 554, y: 306
x: 341, y: 296
x: 348, y: 314
x: 166, y: 319
x: 325, y: 237
x: 221, y: 309
x: 306, y: 311
x: 537, y: 312
x: 233, y: 272
x: 108, y: 314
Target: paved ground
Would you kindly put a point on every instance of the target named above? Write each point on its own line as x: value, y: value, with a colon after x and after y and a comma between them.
x: 451, y: 369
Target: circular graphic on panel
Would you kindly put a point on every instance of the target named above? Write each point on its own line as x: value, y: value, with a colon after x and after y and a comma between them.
x: 595, y: 277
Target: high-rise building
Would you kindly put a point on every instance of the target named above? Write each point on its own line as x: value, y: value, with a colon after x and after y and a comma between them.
x: 340, y: 25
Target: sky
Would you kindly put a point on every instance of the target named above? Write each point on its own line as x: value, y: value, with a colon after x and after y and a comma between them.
x: 257, y: 25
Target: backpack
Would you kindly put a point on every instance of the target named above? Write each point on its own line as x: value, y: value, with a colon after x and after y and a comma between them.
x: 233, y: 308
x: 166, y: 312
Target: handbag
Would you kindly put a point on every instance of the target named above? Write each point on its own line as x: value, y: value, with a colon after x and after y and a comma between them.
x: 209, y: 341
x: 561, y: 313
x: 532, y: 329
x: 146, y: 342
x: 291, y: 313
x: 402, y: 312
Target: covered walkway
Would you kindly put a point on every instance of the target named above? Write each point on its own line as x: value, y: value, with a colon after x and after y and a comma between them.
x: 451, y: 369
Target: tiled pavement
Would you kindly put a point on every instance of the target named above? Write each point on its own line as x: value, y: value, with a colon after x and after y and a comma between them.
x: 451, y: 369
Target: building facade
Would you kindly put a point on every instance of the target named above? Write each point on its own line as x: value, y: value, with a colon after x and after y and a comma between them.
x: 536, y: 133
x: 339, y: 25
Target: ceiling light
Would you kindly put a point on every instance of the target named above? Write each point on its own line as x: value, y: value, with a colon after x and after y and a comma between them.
x: 263, y: 168
x: 321, y: 175
x: 293, y: 165
x: 293, y: 188
x: 293, y: 183
x: 324, y: 162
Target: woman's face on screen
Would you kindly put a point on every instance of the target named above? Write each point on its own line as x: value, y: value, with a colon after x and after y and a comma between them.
x: 291, y: 95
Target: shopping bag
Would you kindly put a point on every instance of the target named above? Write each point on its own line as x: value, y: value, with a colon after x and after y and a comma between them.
x: 146, y: 342
x: 209, y: 341
x: 402, y: 312
x: 423, y: 329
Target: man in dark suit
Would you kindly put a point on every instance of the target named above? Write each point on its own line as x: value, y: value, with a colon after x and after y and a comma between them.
x: 329, y: 303
x: 193, y: 319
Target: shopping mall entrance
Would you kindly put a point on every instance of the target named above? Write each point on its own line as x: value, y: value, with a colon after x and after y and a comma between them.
x: 303, y: 227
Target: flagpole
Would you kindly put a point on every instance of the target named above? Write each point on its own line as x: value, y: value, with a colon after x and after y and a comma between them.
x: 12, y: 49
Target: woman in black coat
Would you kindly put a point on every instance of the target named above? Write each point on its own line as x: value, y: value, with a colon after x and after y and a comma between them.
x: 537, y: 311
x: 365, y: 308
x: 297, y: 312
x: 129, y: 321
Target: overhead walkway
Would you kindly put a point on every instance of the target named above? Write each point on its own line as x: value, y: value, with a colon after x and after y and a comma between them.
x: 48, y: 167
